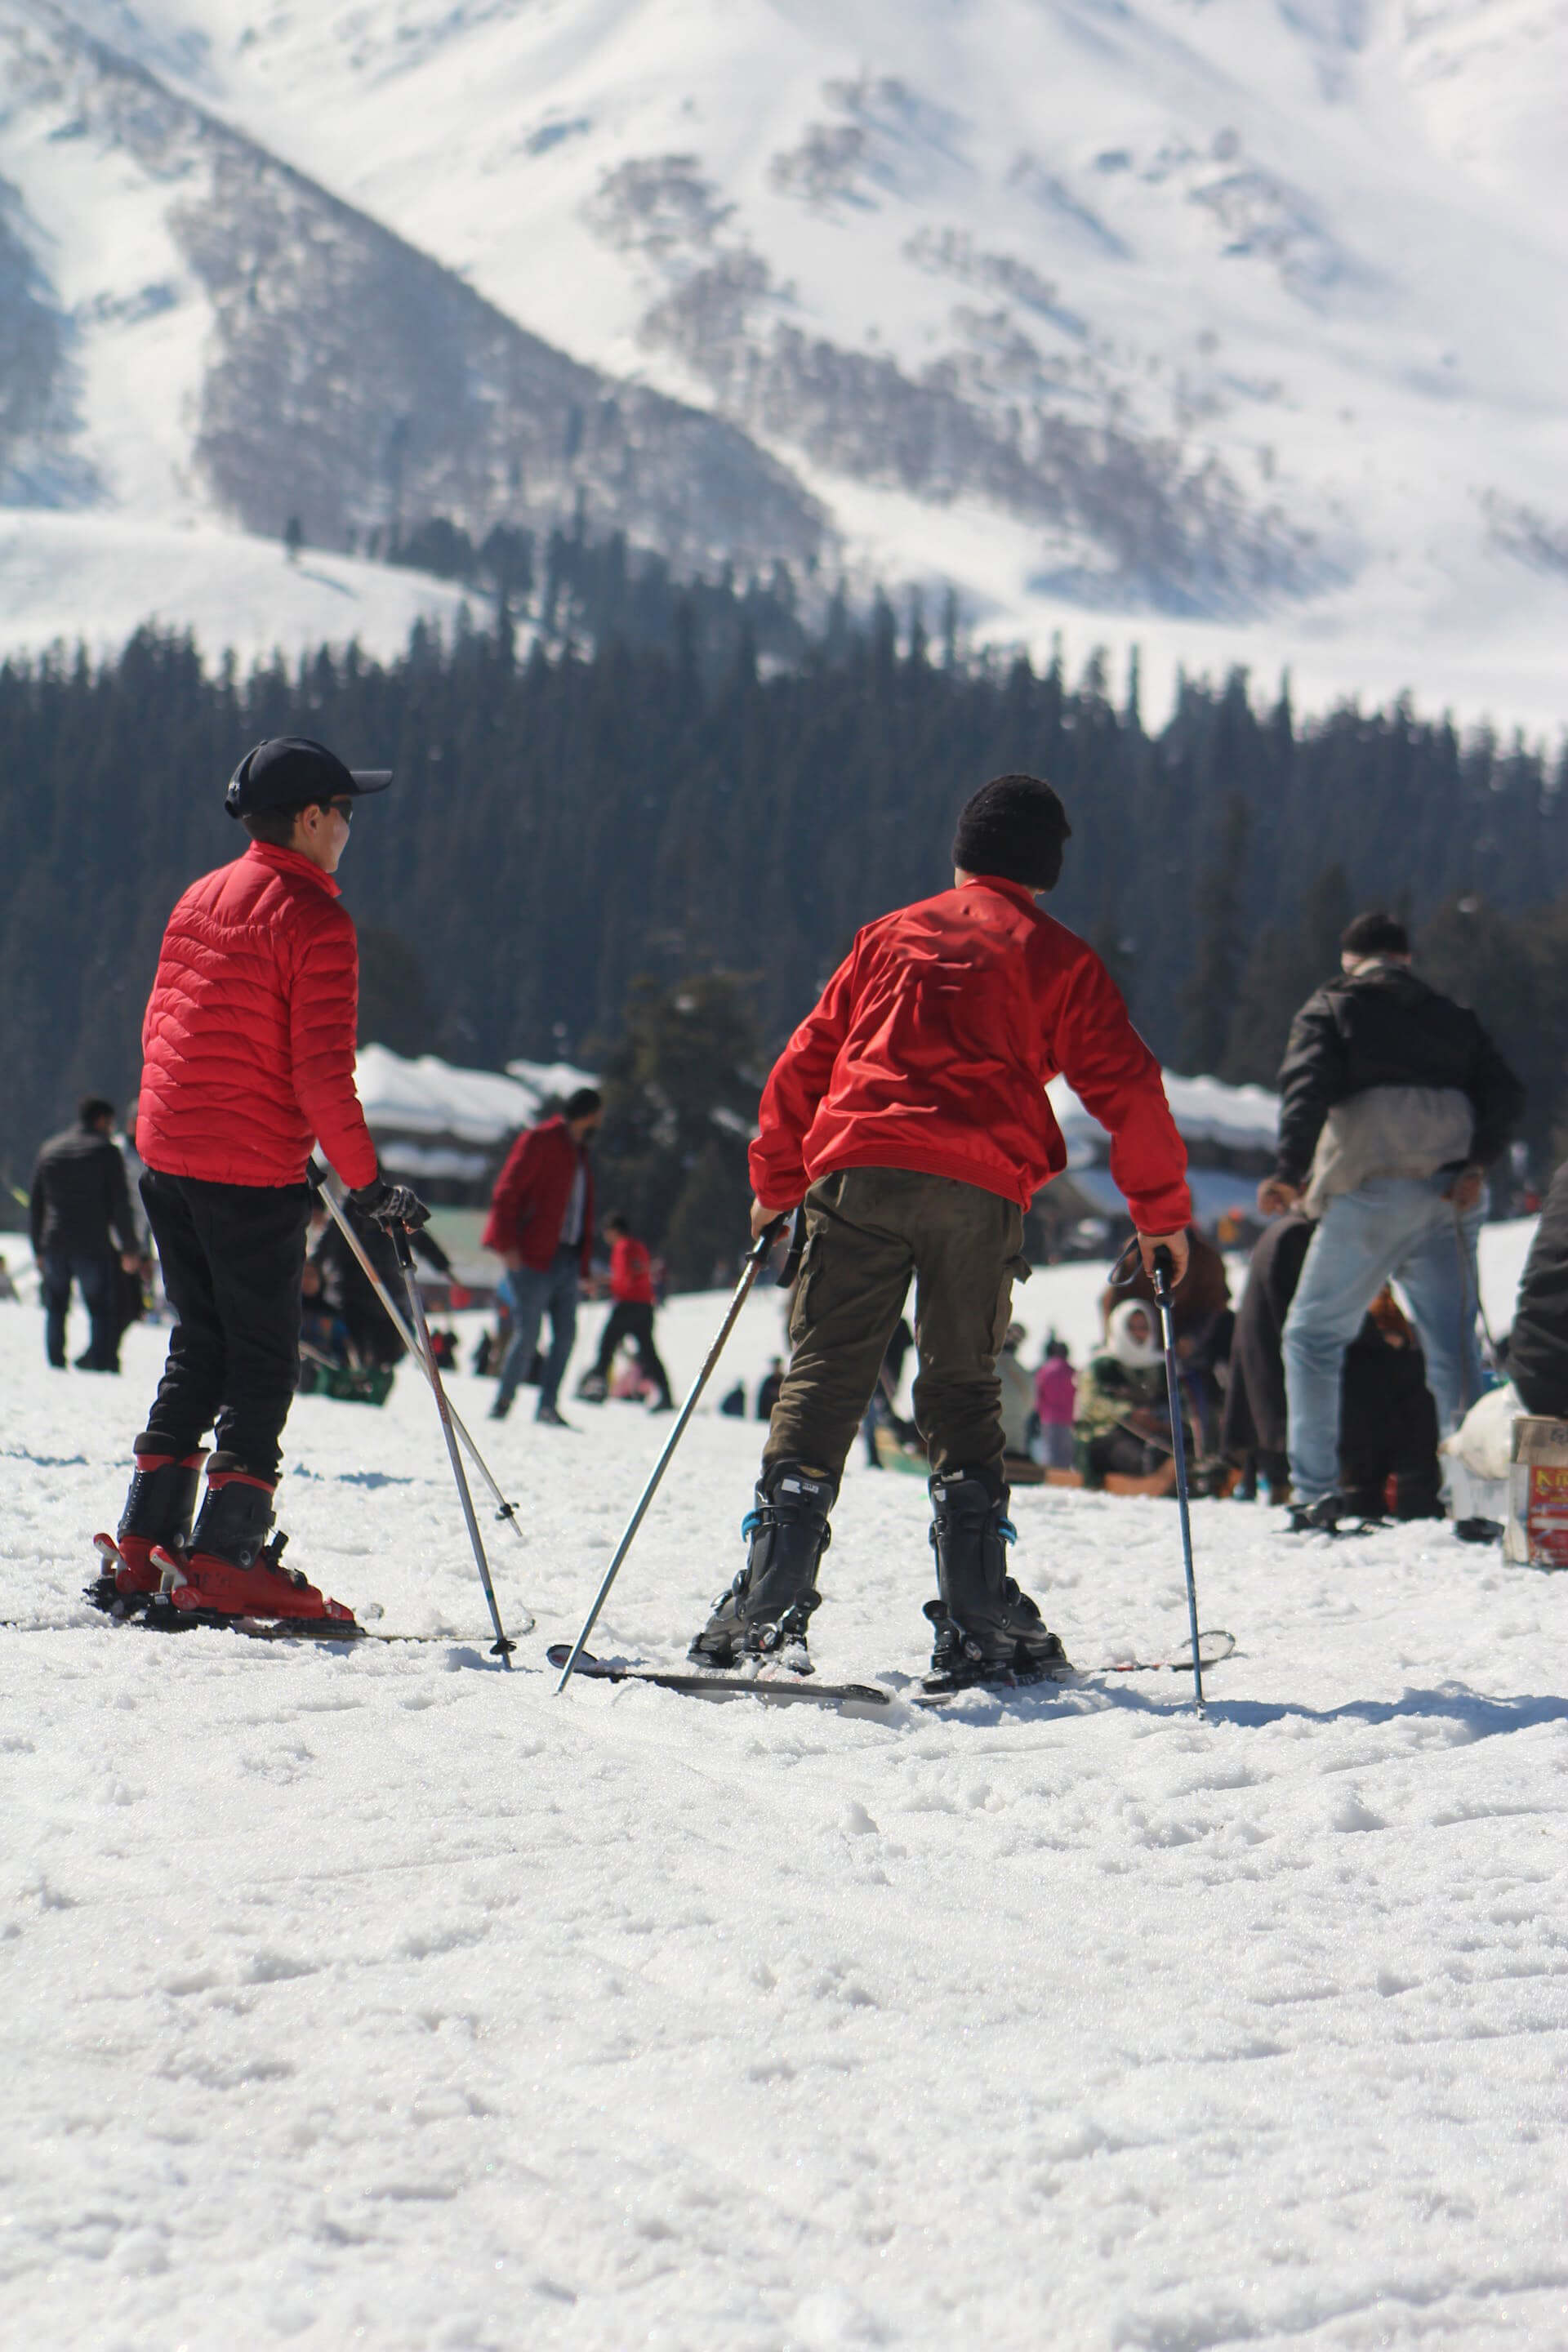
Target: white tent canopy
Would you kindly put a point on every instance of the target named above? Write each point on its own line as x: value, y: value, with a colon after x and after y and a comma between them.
x: 429, y: 1097
x: 1229, y: 1119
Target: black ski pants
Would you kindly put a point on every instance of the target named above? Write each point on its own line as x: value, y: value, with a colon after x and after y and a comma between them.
x: 232, y: 1256
x: 632, y: 1318
x: 867, y: 1231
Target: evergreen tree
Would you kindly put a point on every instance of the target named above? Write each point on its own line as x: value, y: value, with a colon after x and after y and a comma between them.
x: 700, y: 787
x: 1210, y: 1001
x: 680, y: 1090
x: 1289, y: 962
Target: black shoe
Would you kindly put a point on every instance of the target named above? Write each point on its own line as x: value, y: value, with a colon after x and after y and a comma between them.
x: 765, y: 1612
x: 662, y: 1404
x: 986, y: 1625
x: 499, y: 1411
x: 550, y: 1419
x: 1320, y: 1518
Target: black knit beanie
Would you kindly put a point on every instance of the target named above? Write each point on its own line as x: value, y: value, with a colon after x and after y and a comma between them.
x: 1014, y: 826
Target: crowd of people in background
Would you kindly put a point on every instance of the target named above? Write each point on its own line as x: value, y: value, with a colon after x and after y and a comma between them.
x: 1321, y: 1389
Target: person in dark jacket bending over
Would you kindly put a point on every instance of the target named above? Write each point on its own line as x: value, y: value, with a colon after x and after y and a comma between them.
x: 1393, y: 1101
x: 908, y: 1111
x: 542, y: 1226
x: 248, y: 1059
x: 80, y: 1219
x: 1538, y: 1343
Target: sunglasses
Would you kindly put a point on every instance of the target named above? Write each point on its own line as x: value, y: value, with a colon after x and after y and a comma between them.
x: 345, y: 809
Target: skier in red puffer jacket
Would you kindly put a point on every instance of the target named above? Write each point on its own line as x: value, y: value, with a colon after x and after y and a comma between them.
x: 248, y: 1059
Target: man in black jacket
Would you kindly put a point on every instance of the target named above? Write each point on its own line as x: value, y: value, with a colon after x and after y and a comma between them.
x: 1393, y: 1101
x: 80, y: 1218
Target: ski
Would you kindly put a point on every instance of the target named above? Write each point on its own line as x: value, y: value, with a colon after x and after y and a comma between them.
x: 165, y: 1620
x: 340, y: 1634
x: 1214, y: 1648
x: 796, y: 1692
x: 253, y: 1629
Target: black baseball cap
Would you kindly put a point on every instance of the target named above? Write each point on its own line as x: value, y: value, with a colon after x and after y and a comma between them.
x: 289, y: 771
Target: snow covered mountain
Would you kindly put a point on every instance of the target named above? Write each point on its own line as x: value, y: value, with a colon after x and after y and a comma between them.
x: 1234, y: 324
x: 190, y: 331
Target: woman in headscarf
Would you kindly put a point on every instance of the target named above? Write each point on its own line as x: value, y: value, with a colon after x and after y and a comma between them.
x: 1123, y: 1424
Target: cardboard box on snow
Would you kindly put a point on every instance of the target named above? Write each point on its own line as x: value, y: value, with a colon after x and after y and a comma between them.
x: 1538, y: 1492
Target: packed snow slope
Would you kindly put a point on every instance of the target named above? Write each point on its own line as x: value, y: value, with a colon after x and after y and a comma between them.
x: 72, y: 579
x: 1234, y: 325
x: 385, y: 2001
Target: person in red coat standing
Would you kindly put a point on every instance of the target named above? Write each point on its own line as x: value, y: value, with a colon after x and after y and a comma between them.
x: 542, y: 1227
x: 247, y: 1061
x: 630, y: 1317
x: 908, y: 1112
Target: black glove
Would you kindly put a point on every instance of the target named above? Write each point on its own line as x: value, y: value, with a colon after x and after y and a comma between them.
x: 389, y: 1204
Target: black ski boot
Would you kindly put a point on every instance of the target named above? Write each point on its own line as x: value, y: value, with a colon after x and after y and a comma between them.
x: 231, y: 1569
x: 158, y: 1510
x: 986, y: 1629
x: 765, y: 1612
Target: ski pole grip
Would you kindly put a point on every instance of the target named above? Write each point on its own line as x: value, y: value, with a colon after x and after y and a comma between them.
x: 792, y: 1257
x: 760, y: 1248
x: 1164, y: 1267
x: 400, y: 1243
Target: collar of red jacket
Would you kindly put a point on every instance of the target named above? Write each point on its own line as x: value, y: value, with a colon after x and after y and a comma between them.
x: 1020, y: 891
x: 289, y: 861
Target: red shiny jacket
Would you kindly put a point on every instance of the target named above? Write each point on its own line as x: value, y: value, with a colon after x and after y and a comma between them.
x: 528, y: 1204
x: 931, y: 1050
x: 248, y: 1043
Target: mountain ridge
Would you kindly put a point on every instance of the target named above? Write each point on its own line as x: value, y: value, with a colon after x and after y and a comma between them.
x: 1226, y: 322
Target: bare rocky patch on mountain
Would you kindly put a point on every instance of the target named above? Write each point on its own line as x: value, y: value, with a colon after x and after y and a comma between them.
x: 38, y: 466
x: 1039, y: 429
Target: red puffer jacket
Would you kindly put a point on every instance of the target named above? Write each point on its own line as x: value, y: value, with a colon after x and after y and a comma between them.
x: 931, y: 1050
x: 532, y: 1193
x: 248, y: 1039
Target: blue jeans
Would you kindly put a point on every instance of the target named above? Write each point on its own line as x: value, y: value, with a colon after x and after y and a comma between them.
x: 1398, y: 1227
x: 552, y: 1289
x: 95, y: 1278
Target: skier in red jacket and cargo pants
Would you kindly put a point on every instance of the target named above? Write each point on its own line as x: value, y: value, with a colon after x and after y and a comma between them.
x: 248, y: 1058
x: 908, y: 1112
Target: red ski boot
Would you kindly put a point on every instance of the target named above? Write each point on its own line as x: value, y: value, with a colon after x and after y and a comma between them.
x: 158, y: 1508
x: 230, y: 1568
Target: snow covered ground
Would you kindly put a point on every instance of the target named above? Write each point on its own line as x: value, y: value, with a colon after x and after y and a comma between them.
x: 384, y: 2001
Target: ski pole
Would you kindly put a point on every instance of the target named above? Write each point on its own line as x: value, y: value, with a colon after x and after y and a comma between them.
x: 504, y: 1510
x: 1164, y: 1266
x: 757, y: 1258
x: 501, y: 1648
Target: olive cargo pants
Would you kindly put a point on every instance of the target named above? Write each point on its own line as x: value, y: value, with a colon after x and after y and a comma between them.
x: 867, y: 1231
